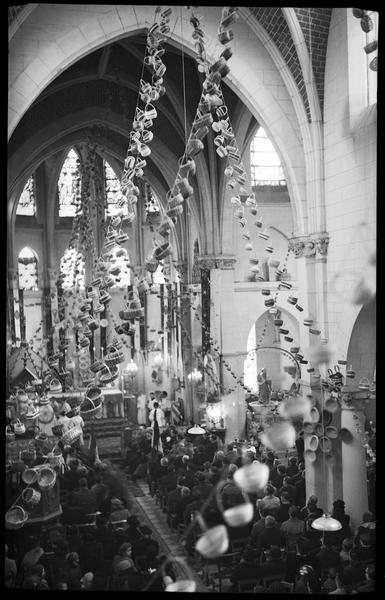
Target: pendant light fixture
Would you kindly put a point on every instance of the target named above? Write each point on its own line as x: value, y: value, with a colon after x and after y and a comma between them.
x: 196, y: 430
x: 326, y: 523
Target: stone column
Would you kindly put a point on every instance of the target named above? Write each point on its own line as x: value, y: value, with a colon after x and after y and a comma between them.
x: 13, y: 275
x: 322, y: 479
x: 354, y: 477
x: 54, y: 309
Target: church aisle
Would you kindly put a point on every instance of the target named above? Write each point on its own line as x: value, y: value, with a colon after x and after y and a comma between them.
x: 146, y: 509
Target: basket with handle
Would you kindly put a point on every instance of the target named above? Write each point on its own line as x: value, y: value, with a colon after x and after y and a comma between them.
x: 55, y: 457
x: 46, y: 478
x: 92, y: 402
x: 108, y: 374
x: 29, y: 476
x: 19, y: 427
x: 29, y: 454
x: 71, y: 435
x: 15, y: 517
x: 9, y: 434
x: 113, y: 357
x: 31, y: 497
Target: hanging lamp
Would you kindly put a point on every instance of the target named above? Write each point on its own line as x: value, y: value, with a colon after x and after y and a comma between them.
x: 326, y: 523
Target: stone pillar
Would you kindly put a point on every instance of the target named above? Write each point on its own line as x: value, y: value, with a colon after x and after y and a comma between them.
x: 54, y: 305
x: 354, y: 477
x: 13, y: 275
x: 322, y: 479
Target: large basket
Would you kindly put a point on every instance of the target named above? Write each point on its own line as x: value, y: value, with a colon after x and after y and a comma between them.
x: 9, y: 434
x: 46, y: 478
x: 70, y: 436
x: 109, y: 374
x: 30, y: 496
x: 29, y: 454
x: 19, y: 427
x: 91, y: 406
x: 29, y: 476
x: 15, y: 517
x: 113, y: 357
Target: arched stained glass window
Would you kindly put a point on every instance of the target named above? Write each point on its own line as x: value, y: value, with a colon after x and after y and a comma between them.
x: 27, y: 205
x: 113, y: 190
x: 120, y: 259
x: 27, y: 268
x: 69, y: 185
x: 72, y: 269
x: 265, y: 164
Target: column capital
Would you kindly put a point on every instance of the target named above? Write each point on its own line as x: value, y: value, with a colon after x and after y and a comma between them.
x: 312, y: 245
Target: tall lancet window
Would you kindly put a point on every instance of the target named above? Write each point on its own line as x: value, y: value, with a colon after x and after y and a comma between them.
x: 27, y: 268
x: 69, y: 185
x: 265, y: 164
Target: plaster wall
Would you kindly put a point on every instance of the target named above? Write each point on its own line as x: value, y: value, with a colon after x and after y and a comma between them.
x: 350, y: 174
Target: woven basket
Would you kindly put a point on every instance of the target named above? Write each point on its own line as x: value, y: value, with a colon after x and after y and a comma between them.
x: 57, y: 430
x: 29, y: 455
x: 19, y: 427
x: 9, y: 434
x: 30, y: 496
x: 113, y: 357
x: 371, y: 47
x: 91, y: 406
x: 29, y: 476
x: 46, y: 478
x: 109, y: 374
x: 71, y: 435
x: 15, y: 517
x: 55, y: 459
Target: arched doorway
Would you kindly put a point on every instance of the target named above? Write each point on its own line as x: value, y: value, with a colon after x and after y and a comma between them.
x: 279, y: 365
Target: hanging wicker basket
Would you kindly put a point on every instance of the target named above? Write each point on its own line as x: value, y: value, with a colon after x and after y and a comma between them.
x: 29, y: 476
x: 15, y: 517
x: 91, y: 405
x: 371, y: 47
x: 30, y: 496
x: 9, y: 434
x: 55, y: 458
x: 113, y: 357
x: 46, y: 478
x: 109, y: 374
x: 19, y: 427
x: 71, y: 435
x: 373, y: 65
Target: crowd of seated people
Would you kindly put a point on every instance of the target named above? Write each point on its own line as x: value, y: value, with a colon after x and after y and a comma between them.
x: 280, y: 542
x: 99, y: 544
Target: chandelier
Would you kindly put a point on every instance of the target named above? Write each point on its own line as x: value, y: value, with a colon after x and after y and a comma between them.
x: 195, y: 376
x: 132, y: 368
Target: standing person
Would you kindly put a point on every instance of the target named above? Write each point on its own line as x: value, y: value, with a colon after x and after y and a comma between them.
x: 141, y: 405
x: 166, y: 406
x: 158, y: 424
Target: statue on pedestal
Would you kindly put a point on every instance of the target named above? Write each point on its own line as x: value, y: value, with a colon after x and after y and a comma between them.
x: 264, y: 386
